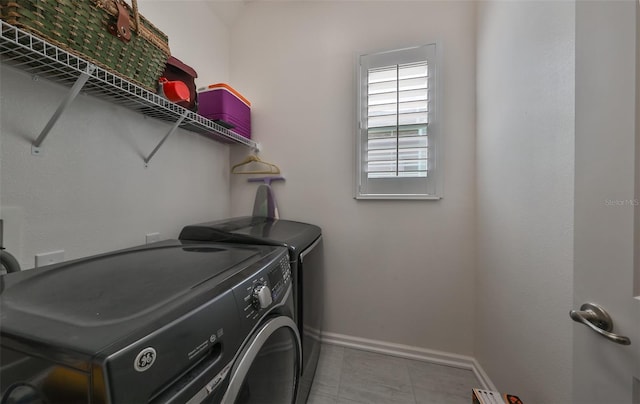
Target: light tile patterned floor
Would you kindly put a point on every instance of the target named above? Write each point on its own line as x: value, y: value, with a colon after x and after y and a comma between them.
x: 349, y: 376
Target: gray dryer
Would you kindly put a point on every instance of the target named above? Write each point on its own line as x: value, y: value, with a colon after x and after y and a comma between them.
x: 304, y: 242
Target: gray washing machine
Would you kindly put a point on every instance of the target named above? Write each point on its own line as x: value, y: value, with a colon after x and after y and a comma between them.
x: 304, y: 242
x: 170, y: 322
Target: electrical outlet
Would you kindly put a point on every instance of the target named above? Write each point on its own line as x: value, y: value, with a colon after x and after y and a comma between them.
x: 49, y: 258
x: 152, y: 237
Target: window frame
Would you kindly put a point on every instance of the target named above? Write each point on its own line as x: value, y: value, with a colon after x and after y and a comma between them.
x: 431, y: 186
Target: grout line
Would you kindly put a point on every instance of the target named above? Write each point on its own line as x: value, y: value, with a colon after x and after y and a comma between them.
x: 411, y: 381
x: 341, y: 372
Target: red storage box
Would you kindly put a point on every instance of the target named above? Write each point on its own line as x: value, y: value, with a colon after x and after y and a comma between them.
x: 222, y: 104
x: 176, y: 70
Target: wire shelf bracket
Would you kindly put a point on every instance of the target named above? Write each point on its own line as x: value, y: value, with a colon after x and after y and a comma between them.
x: 29, y: 53
x: 173, y: 129
x: 71, y: 95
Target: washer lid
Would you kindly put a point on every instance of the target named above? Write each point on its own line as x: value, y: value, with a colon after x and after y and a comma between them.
x: 94, y: 301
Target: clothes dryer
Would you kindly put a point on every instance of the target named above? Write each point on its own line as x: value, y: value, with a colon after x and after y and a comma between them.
x: 305, y: 245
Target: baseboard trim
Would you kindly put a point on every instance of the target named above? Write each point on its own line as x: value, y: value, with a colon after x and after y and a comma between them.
x: 412, y: 352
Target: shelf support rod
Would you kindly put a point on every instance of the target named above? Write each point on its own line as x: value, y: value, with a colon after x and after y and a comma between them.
x: 73, y: 93
x: 173, y: 129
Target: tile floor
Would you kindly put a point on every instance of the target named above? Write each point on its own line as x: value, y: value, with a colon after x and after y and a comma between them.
x: 349, y: 376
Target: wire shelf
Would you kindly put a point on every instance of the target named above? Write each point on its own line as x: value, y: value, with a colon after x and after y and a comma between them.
x: 32, y: 54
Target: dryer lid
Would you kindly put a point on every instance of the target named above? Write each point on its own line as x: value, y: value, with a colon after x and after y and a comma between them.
x: 255, y: 230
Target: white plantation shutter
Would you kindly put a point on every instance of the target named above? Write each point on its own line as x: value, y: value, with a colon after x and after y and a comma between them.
x: 397, y: 119
x: 397, y: 139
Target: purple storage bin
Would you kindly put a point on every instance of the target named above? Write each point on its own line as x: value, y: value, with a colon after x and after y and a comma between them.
x: 222, y: 104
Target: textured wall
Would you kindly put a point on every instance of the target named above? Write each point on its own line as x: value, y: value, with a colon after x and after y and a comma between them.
x: 525, y: 168
x: 89, y: 191
x: 397, y: 271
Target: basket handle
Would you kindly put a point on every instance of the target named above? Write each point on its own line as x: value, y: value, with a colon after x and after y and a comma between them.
x: 122, y: 27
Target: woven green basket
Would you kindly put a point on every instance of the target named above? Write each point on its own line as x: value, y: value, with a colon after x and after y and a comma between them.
x: 88, y: 29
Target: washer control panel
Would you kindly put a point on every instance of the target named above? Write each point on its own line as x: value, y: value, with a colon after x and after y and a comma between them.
x: 264, y: 289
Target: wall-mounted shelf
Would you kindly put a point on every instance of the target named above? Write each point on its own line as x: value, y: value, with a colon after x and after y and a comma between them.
x: 36, y: 56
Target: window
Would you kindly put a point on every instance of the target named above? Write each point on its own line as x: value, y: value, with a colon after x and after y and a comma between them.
x: 397, y: 139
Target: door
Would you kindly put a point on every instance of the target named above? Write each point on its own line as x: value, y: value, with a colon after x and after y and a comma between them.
x: 607, y: 195
x: 268, y: 367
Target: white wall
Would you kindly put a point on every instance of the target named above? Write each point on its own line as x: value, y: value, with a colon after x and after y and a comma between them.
x: 197, y: 36
x: 397, y: 271
x: 525, y: 168
x: 89, y: 191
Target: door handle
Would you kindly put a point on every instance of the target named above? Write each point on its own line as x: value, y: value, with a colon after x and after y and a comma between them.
x: 597, y: 318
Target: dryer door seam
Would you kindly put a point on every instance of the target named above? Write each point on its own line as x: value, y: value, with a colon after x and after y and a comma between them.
x: 250, y: 352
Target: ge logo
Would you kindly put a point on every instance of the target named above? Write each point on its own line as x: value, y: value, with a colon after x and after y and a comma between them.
x: 145, y: 359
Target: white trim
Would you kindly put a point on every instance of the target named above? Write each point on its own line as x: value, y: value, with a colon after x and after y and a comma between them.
x: 412, y: 352
x: 396, y: 188
x: 405, y: 197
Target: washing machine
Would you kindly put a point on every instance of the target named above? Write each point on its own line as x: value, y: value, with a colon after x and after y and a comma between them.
x: 305, y: 245
x: 170, y: 322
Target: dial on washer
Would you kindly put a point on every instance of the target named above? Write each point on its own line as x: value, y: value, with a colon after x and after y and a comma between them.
x: 261, y: 297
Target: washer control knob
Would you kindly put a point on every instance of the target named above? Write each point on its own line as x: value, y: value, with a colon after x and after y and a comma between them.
x: 262, y: 297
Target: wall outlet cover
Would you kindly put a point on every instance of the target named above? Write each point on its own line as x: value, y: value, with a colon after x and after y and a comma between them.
x: 152, y: 238
x: 49, y: 258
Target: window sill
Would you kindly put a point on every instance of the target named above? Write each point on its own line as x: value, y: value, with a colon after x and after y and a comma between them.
x: 399, y: 197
